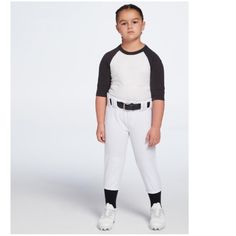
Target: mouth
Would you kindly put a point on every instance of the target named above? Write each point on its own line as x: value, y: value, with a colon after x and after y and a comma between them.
x: 130, y: 32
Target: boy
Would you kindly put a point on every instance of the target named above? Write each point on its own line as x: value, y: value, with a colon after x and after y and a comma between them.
x: 130, y: 103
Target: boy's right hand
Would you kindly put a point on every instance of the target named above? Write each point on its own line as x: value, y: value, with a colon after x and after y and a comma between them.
x: 101, y: 133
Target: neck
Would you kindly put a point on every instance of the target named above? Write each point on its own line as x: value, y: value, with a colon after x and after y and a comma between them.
x: 132, y: 45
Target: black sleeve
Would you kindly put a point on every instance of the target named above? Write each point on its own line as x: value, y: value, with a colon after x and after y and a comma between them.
x: 104, y: 77
x: 157, y: 79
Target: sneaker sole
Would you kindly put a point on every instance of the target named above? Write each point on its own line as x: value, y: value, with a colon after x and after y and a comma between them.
x: 106, y: 228
x: 159, y: 228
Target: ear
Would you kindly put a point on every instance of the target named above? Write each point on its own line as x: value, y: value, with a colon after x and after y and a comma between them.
x: 143, y: 26
x: 117, y: 28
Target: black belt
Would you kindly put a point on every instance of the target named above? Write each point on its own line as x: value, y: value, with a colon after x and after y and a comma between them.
x: 130, y: 106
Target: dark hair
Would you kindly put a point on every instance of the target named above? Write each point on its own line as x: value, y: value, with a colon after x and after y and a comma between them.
x: 129, y: 6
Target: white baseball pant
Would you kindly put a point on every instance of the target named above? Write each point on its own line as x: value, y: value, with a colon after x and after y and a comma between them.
x: 120, y: 124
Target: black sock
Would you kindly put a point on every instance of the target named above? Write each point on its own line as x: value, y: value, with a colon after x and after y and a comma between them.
x: 155, y: 197
x: 110, y: 196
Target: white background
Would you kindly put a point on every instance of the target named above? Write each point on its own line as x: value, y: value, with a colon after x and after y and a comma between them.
x: 57, y: 163
x: 212, y: 117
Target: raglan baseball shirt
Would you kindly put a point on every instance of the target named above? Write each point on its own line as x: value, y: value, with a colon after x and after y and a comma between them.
x: 131, y: 76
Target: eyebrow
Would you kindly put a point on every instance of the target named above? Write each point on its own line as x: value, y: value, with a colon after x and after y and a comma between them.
x: 132, y: 19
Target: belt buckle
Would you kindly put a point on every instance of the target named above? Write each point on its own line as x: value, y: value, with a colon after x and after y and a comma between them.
x: 130, y: 105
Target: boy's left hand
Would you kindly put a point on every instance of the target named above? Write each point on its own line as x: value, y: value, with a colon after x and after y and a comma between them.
x: 153, y: 136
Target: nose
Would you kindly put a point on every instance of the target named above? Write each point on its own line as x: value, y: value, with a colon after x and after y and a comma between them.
x: 129, y: 25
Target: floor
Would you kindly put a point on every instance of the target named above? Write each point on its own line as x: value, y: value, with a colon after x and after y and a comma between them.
x: 69, y: 200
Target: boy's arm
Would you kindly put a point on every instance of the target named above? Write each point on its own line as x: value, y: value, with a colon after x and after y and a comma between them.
x: 158, y: 97
x: 157, y: 113
x: 100, y: 104
x: 154, y: 134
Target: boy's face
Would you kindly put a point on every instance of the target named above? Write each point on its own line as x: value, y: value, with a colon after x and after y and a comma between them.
x: 130, y: 24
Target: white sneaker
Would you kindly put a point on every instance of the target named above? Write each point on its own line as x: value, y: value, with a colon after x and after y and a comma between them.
x: 107, y: 219
x: 157, y: 217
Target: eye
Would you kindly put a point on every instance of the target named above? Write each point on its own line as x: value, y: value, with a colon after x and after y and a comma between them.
x: 135, y: 22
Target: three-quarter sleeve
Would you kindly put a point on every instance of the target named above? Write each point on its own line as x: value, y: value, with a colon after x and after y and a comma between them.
x: 157, y: 84
x: 104, y: 77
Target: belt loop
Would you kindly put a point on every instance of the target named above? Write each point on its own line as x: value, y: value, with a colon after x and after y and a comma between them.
x: 145, y: 105
x: 112, y: 101
x: 142, y: 106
